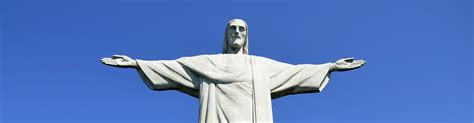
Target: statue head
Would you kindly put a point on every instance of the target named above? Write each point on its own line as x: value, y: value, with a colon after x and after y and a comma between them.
x: 236, y: 37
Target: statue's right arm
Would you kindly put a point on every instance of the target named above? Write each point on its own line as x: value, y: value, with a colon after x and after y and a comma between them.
x: 121, y: 61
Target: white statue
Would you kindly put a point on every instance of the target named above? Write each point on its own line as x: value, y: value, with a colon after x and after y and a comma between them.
x: 233, y: 86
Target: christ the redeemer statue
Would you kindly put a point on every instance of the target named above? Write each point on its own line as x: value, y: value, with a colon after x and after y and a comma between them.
x: 233, y: 86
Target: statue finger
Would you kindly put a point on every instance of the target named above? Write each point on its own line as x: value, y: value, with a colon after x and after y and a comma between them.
x: 349, y: 60
x: 109, y: 62
x: 119, y: 63
x: 117, y: 56
x: 105, y: 60
x: 112, y: 62
x: 359, y: 64
x: 102, y: 60
x: 118, y: 59
x: 359, y: 61
x: 346, y: 66
x: 126, y: 57
x: 122, y: 64
x: 344, y: 60
x: 354, y: 66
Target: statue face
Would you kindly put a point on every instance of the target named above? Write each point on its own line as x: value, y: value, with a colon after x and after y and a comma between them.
x: 236, y: 34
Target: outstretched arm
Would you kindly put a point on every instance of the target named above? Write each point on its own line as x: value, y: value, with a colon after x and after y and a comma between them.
x: 286, y: 79
x: 161, y: 74
x: 121, y: 61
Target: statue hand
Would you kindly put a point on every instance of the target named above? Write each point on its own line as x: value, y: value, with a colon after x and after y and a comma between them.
x: 347, y: 64
x: 119, y: 61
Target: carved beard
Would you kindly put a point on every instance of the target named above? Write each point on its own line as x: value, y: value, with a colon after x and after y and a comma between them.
x: 236, y: 44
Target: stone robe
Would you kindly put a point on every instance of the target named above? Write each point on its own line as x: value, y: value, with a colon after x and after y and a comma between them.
x: 232, y: 87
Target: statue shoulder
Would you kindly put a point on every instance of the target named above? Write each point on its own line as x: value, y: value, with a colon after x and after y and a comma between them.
x: 201, y: 58
x: 263, y: 60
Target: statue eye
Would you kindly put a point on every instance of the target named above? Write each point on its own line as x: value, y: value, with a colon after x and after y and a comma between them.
x: 232, y: 27
x: 241, y: 28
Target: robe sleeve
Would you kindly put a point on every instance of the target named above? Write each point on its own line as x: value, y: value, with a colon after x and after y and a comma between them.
x: 286, y: 79
x: 168, y: 75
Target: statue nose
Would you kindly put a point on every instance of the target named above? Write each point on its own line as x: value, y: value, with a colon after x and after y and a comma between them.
x: 236, y: 33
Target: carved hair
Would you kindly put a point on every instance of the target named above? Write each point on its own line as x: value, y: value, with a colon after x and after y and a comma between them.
x: 245, y: 46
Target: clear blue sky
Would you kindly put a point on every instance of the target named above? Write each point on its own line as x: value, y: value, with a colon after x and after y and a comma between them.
x: 419, y: 57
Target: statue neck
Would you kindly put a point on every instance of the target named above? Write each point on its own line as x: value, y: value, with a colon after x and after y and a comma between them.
x: 236, y: 51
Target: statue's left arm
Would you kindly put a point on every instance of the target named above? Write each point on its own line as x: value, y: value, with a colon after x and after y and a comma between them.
x: 286, y: 79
